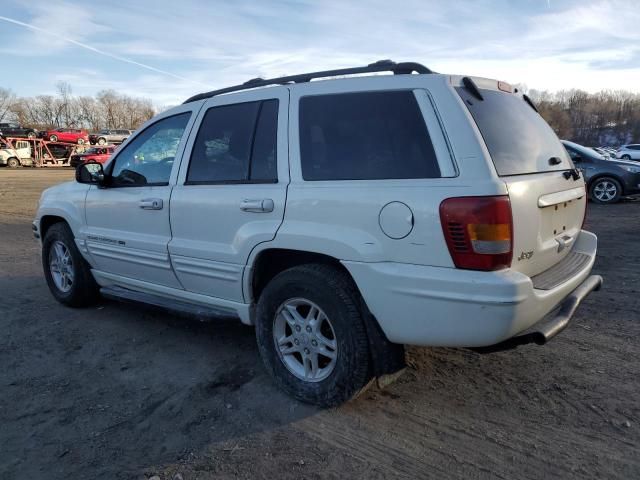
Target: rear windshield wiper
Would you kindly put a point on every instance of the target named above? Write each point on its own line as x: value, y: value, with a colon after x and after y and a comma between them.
x: 470, y: 85
x: 528, y: 100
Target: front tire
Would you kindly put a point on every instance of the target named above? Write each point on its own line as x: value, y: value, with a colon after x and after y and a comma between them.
x: 605, y: 190
x: 67, y: 273
x: 80, y: 141
x: 311, y: 334
x: 13, y: 162
x: 626, y: 157
x: 53, y: 138
x: 31, y: 135
x: 102, y: 141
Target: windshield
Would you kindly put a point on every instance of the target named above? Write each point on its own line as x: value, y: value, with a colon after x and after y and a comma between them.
x: 582, y: 150
x: 517, y: 137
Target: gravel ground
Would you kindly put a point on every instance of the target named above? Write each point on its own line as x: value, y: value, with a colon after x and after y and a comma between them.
x: 123, y: 391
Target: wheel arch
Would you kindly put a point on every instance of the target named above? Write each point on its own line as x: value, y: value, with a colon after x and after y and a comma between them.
x: 386, y: 358
x: 47, y: 221
x: 269, y: 262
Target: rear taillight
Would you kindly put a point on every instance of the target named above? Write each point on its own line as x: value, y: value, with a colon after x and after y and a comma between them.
x: 478, y: 231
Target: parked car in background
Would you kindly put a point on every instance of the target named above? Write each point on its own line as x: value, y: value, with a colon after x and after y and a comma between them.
x: 343, y: 218
x: 93, y: 154
x: 106, y: 136
x: 629, y: 152
x: 56, y: 152
x: 607, y: 179
x: 602, y: 151
x: 15, y: 130
x: 19, y: 154
x: 71, y: 135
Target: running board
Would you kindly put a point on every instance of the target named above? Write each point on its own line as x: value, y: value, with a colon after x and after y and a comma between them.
x: 203, y: 312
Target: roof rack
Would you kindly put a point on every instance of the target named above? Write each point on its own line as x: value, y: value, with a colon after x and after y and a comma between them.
x: 379, y: 66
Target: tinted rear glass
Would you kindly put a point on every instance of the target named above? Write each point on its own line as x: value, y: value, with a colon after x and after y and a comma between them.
x: 365, y: 136
x: 517, y: 137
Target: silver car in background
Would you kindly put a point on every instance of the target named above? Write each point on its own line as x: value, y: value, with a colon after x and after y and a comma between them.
x: 107, y: 136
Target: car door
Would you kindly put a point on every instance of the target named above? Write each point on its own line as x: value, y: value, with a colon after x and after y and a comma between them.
x: 63, y: 134
x: 231, y: 190
x: 128, y: 222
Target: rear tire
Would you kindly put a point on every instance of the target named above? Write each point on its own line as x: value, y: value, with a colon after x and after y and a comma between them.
x: 53, y: 138
x: 31, y: 135
x: 80, y: 141
x: 67, y: 273
x: 337, y: 330
x: 605, y: 190
x: 102, y: 141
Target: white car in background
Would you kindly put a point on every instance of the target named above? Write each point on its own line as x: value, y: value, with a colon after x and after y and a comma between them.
x: 629, y: 152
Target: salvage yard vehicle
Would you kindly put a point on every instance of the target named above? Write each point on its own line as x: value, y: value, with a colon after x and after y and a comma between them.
x: 16, y: 130
x: 93, y: 154
x: 629, y: 152
x: 16, y: 155
x: 343, y: 218
x: 607, y: 179
x: 71, y: 135
x: 109, y: 136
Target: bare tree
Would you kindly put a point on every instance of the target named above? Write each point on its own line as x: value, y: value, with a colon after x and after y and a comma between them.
x: 7, y: 98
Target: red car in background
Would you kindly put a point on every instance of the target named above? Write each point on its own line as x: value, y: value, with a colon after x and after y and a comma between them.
x: 93, y: 154
x: 70, y: 135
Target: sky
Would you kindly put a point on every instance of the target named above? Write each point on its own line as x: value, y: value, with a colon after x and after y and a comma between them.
x: 168, y: 50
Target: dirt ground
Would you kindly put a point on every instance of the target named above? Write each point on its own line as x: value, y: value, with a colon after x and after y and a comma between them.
x: 121, y: 391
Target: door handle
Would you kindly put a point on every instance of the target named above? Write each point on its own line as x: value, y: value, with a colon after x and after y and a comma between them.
x: 151, y: 204
x: 258, y: 206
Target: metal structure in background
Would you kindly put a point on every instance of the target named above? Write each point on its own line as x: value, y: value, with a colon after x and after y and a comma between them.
x: 41, y: 151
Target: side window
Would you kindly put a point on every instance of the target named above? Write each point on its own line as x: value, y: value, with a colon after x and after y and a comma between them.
x: 236, y: 144
x: 264, y: 166
x: 148, y: 159
x: 365, y: 136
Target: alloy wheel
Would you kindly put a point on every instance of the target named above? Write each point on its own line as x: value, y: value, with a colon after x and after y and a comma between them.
x: 605, y: 191
x: 61, y: 266
x: 305, y: 340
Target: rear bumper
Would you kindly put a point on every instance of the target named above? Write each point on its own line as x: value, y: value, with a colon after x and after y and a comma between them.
x: 548, y: 328
x: 437, y: 306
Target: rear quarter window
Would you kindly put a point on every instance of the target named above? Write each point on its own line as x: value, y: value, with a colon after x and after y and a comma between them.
x: 365, y: 136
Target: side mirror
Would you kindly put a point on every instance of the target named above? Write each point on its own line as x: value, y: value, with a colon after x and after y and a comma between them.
x: 90, y: 172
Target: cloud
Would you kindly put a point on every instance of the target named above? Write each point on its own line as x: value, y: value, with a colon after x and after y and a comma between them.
x: 590, y: 45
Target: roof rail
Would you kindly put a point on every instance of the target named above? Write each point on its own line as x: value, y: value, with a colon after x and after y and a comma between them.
x: 379, y: 66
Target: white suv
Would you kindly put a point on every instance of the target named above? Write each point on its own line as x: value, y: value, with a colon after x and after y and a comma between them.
x: 629, y: 152
x: 343, y: 218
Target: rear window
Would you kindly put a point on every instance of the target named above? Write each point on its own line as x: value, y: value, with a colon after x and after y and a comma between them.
x: 517, y: 137
x: 365, y: 136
